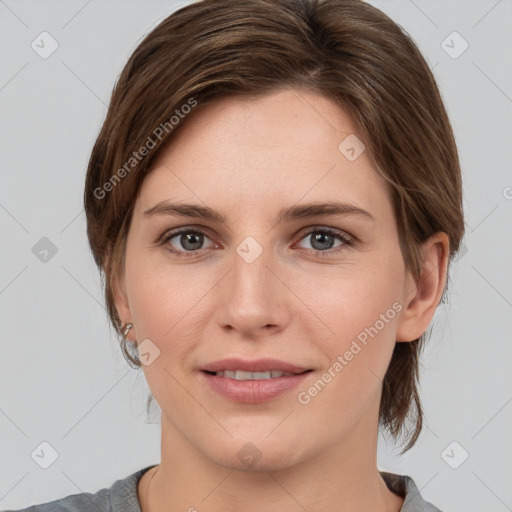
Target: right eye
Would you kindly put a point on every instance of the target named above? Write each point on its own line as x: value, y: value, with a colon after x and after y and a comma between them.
x: 191, y: 240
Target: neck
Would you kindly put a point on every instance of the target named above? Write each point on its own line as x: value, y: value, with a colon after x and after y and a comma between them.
x: 343, y: 475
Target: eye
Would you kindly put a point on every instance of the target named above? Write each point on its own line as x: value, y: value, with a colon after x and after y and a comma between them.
x: 189, y: 241
x: 322, y: 240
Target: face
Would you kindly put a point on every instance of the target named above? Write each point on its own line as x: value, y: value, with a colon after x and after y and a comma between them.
x: 272, y: 275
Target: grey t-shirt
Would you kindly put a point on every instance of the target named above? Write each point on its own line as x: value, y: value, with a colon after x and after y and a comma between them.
x: 122, y: 497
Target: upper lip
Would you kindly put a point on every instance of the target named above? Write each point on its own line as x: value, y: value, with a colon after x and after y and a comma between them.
x: 256, y: 365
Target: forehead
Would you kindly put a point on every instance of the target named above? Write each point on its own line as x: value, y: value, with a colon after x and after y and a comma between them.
x: 289, y: 117
x: 247, y: 151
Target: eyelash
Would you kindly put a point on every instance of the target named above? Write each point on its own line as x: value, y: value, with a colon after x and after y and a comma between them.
x: 347, y: 242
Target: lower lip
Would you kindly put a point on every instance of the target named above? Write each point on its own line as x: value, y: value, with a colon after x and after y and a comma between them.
x: 253, y: 391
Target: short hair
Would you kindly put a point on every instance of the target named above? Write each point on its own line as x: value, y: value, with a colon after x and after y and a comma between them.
x: 347, y: 50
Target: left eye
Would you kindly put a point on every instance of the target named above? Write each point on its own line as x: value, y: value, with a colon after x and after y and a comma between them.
x: 322, y: 240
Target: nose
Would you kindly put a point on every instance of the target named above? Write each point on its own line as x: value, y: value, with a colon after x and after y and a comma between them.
x: 253, y: 299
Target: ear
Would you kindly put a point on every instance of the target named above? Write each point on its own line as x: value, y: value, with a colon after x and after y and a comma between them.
x: 120, y: 297
x: 420, y: 299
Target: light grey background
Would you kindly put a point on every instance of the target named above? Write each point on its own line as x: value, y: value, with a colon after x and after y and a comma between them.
x: 62, y: 377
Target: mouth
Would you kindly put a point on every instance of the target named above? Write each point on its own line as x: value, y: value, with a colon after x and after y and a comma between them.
x: 243, y: 375
x: 257, y: 369
x: 254, y: 381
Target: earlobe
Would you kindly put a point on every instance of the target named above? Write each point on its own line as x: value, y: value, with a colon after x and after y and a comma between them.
x: 123, y: 310
x: 420, y: 299
x: 120, y: 295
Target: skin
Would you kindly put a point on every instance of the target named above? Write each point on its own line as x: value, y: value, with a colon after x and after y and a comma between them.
x: 247, y: 160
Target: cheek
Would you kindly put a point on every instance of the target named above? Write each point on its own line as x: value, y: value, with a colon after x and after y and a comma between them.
x: 162, y: 295
x: 163, y: 303
x: 349, y: 298
x: 350, y: 384
x: 169, y: 307
x: 361, y: 308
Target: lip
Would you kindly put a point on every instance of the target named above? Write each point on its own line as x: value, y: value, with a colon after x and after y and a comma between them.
x: 253, y: 391
x: 256, y: 365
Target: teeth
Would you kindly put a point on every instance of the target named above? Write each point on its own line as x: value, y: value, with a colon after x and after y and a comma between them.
x: 242, y: 375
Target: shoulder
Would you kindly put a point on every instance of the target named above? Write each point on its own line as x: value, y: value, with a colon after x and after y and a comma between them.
x: 405, y: 486
x: 120, y: 497
x: 86, y: 502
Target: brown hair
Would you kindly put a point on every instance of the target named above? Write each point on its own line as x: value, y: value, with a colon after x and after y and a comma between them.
x: 346, y: 49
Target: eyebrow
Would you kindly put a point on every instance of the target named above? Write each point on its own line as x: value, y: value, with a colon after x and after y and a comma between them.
x: 290, y: 213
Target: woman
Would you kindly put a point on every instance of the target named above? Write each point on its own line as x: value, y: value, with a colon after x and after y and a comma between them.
x: 274, y: 199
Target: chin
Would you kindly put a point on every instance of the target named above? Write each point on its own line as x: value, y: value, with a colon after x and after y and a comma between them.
x: 258, y: 455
